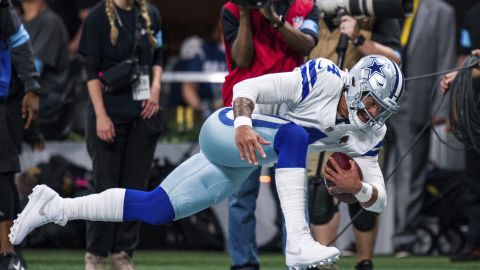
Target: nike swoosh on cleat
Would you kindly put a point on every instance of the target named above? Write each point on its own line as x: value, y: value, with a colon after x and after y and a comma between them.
x: 41, y: 210
x: 295, y: 252
x: 17, y: 266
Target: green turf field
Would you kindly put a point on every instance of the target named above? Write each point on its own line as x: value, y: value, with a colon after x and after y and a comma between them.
x: 192, y: 260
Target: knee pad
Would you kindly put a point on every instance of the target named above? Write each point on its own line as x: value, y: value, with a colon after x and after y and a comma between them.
x: 320, y: 203
x: 365, y: 221
x: 291, y: 144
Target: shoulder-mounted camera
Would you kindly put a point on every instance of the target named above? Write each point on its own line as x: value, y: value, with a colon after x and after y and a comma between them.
x: 384, y: 9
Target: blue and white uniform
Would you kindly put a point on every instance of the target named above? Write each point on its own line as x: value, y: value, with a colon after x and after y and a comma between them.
x: 311, y: 93
x: 310, y: 96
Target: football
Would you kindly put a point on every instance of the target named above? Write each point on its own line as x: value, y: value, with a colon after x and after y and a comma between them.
x: 343, y: 161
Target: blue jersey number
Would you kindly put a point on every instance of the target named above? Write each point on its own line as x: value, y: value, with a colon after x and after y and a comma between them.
x: 333, y: 69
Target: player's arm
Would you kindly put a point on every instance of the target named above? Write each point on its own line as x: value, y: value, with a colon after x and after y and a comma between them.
x: 370, y: 192
x: 268, y: 89
x: 274, y: 88
x: 246, y: 139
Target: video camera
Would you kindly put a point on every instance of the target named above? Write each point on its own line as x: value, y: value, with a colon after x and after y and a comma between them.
x: 251, y: 4
x: 384, y: 9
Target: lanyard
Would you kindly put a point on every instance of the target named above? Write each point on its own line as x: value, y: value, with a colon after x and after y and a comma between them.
x: 407, y: 25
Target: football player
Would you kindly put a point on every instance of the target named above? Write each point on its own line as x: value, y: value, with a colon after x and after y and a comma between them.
x: 329, y: 109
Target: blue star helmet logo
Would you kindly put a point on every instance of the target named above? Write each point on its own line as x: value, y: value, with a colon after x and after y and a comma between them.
x: 375, y: 67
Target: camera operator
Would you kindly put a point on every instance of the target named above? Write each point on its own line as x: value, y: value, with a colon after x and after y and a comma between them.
x: 367, y: 35
x: 273, y: 37
x: 469, y: 40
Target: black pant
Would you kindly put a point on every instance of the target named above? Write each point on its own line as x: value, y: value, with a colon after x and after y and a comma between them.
x: 11, y: 133
x: 8, y: 197
x: 473, y: 206
x: 125, y: 163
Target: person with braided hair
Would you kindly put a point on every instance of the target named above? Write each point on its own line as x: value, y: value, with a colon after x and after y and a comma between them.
x: 120, y: 37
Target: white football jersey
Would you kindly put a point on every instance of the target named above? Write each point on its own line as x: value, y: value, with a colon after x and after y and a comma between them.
x: 311, y: 94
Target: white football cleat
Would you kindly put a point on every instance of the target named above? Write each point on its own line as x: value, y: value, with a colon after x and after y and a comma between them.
x: 303, y: 252
x: 41, y: 200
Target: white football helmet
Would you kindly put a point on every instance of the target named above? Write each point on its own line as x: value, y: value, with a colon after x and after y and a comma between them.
x: 380, y: 78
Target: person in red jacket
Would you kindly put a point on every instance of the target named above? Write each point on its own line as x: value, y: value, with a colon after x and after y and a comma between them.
x: 272, y: 38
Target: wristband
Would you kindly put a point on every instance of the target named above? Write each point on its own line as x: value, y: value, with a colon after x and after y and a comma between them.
x: 365, y: 193
x: 242, y: 121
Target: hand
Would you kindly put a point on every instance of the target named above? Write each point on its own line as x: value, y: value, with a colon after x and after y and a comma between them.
x: 105, y: 129
x: 477, y: 53
x: 150, y: 106
x: 247, y: 141
x: 242, y: 8
x: 447, y: 81
x: 30, y: 108
x: 349, y: 27
x: 269, y: 13
x: 346, y: 181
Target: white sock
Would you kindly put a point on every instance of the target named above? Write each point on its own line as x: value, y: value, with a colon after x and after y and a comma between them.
x: 104, y: 206
x: 292, y: 187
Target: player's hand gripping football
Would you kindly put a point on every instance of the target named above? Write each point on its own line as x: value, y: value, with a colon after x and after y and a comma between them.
x: 248, y: 141
x: 346, y: 181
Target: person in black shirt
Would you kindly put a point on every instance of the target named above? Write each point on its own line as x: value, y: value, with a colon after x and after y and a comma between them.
x: 18, y: 99
x: 122, y: 125
x: 470, y: 43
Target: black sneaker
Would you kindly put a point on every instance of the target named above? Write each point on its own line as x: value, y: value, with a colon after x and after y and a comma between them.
x: 364, y: 265
x: 11, y: 261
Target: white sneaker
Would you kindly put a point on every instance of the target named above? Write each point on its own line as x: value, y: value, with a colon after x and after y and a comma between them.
x: 35, y: 213
x: 303, y: 252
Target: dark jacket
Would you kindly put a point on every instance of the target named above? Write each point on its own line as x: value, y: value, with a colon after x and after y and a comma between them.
x: 18, y: 41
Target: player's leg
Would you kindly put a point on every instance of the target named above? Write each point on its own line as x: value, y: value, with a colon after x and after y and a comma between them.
x: 323, y: 212
x: 291, y: 144
x: 242, y: 243
x: 193, y: 186
x: 324, y: 216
